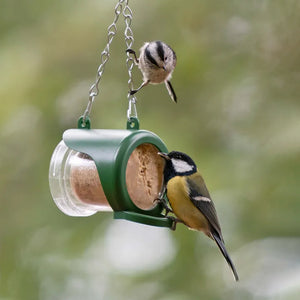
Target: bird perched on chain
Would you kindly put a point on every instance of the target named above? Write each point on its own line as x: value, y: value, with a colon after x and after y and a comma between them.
x: 190, y: 200
x: 157, y: 62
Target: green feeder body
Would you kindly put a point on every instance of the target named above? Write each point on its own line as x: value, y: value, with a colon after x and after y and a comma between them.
x: 110, y: 150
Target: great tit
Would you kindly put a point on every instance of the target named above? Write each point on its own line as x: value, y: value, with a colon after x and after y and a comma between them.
x: 157, y: 62
x: 190, y: 200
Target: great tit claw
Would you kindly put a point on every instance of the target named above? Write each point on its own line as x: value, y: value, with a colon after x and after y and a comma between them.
x: 164, y: 204
x: 175, y: 221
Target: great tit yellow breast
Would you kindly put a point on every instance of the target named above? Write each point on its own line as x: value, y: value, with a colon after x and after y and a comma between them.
x: 183, y: 207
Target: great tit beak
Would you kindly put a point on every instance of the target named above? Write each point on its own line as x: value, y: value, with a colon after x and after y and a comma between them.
x: 164, y: 155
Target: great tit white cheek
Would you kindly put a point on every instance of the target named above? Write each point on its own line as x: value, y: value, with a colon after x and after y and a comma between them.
x: 181, y: 166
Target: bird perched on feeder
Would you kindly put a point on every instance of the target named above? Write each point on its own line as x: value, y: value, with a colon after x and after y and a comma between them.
x: 190, y: 200
x: 157, y: 62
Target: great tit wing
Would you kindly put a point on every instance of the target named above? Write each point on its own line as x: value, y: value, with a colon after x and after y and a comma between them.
x: 200, y: 197
x: 197, y: 185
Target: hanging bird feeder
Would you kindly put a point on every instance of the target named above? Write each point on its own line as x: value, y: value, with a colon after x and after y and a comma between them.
x: 115, y: 170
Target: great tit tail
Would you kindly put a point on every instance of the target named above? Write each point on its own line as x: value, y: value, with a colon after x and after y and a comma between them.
x: 225, y: 254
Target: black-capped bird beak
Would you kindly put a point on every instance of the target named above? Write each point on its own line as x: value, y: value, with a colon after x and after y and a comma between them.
x: 164, y: 155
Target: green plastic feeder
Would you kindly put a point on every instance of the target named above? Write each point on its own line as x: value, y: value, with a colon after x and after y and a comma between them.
x: 95, y: 170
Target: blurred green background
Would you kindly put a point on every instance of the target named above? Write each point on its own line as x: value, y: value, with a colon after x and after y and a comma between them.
x: 238, y: 115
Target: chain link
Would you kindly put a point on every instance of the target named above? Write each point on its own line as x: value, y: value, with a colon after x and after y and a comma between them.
x: 105, y: 55
x: 127, y: 13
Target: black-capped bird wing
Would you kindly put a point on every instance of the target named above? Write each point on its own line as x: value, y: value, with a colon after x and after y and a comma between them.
x: 200, y: 197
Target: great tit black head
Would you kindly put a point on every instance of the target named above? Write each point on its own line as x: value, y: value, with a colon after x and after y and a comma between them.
x: 177, y: 164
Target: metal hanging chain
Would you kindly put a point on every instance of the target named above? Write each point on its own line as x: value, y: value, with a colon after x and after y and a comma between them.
x: 127, y: 13
x: 94, y: 89
x: 105, y: 54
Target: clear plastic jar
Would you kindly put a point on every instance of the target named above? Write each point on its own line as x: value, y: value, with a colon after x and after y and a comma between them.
x: 75, y: 184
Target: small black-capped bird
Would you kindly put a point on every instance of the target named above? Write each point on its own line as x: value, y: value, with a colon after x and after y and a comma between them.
x: 157, y: 62
x: 190, y: 200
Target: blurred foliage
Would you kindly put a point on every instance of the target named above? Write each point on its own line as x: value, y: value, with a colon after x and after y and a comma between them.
x: 238, y: 116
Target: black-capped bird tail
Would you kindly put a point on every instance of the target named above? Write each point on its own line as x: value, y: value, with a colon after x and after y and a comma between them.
x: 225, y: 254
x: 171, y: 91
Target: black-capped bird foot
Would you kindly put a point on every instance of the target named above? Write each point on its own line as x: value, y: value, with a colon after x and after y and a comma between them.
x: 130, y: 51
x: 132, y: 92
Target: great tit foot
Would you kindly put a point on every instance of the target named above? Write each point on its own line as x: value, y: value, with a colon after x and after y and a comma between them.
x: 175, y: 221
x: 164, y: 204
